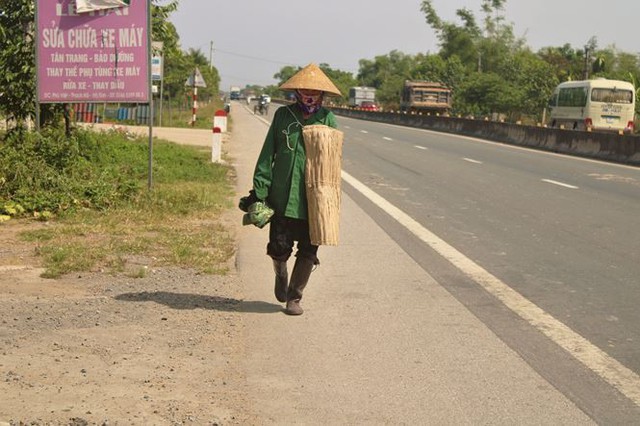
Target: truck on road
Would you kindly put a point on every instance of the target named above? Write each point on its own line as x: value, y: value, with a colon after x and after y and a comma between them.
x: 234, y: 93
x: 360, y: 94
x: 426, y: 97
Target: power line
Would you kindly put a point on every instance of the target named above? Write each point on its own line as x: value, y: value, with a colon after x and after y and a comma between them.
x: 256, y: 58
x: 275, y: 61
x: 251, y: 79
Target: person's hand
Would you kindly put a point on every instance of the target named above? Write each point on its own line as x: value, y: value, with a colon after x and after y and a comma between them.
x: 246, y: 201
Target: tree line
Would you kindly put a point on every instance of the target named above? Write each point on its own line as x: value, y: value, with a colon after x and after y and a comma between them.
x: 489, y: 69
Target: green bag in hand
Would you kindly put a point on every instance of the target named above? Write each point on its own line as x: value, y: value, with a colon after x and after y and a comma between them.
x: 258, y: 214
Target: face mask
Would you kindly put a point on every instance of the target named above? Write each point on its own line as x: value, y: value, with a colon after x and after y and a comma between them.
x: 309, y: 104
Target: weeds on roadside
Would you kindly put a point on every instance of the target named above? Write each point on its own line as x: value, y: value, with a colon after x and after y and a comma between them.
x: 106, y: 218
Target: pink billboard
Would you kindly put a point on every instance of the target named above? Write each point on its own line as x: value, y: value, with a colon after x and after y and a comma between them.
x: 100, y: 56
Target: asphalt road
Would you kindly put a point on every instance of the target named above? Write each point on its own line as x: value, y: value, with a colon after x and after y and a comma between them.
x: 561, y: 231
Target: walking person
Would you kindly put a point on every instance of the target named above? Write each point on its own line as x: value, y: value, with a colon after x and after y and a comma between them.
x: 279, y: 181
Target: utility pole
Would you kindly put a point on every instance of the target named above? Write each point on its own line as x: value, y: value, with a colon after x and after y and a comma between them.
x: 587, y: 61
x: 211, y: 55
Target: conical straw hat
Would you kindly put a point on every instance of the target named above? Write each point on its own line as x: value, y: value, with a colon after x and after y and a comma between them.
x: 311, y: 77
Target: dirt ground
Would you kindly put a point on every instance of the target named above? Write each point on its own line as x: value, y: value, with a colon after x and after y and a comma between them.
x: 93, y: 348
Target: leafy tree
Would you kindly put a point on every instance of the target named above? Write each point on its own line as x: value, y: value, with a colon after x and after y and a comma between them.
x: 429, y: 67
x: 342, y: 79
x: 531, y: 75
x: 286, y: 73
x: 387, y: 73
x: 17, y: 60
x: 566, y: 62
x: 486, y: 93
x: 461, y: 41
x: 193, y: 59
x: 480, y: 49
x: 454, y: 72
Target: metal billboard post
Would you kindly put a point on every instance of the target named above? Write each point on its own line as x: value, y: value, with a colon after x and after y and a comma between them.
x: 150, y: 92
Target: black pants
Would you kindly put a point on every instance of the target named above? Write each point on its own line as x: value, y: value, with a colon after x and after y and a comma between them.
x: 283, y: 232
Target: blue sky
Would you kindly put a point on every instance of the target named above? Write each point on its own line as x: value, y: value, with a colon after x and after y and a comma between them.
x: 253, y: 39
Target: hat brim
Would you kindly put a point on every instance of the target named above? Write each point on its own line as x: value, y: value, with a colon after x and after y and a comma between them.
x: 311, y: 77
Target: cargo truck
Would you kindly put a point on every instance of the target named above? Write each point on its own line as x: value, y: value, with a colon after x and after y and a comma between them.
x: 360, y: 94
x: 234, y: 93
x: 426, y: 97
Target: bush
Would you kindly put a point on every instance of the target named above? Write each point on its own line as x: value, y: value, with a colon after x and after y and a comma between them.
x: 51, y: 173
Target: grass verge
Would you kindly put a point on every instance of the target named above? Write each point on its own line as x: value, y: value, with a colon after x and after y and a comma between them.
x: 180, y: 222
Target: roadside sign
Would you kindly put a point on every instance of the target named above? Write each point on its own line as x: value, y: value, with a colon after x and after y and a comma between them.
x: 156, y: 68
x: 97, y: 56
x: 196, y: 79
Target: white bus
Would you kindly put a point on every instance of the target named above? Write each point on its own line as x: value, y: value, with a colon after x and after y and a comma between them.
x: 598, y: 104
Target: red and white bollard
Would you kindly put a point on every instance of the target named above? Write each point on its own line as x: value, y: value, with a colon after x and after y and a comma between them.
x: 220, y: 120
x: 216, y: 146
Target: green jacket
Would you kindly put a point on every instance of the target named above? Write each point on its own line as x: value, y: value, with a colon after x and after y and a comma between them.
x: 279, y: 174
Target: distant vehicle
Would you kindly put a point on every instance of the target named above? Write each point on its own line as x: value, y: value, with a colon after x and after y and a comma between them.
x: 369, y: 106
x: 426, y: 97
x: 600, y: 104
x: 360, y: 94
x: 262, y: 106
x: 234, y: 93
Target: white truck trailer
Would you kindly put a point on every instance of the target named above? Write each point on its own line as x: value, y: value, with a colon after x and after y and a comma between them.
x: 360, y: 94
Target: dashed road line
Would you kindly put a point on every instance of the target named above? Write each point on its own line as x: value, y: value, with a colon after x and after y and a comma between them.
x: 555, y: 182
x: 471, y: 160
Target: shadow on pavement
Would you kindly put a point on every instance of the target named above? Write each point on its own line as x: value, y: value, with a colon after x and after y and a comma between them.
x: 198, y: 301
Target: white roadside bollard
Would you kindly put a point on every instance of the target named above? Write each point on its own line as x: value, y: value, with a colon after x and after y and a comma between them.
x: 220, y: 120
x: 216, y: 146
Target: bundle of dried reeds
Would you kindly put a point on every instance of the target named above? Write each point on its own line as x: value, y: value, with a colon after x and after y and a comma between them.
x: 323, y: 146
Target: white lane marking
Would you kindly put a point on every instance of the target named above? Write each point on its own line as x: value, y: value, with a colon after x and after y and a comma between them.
x: 363, y: 131
x: 616, y: 374
x: 471, y: 160
x: 386, y: 138
x: 505, y: 145
x: 420, y: 147
x: 555, y: 182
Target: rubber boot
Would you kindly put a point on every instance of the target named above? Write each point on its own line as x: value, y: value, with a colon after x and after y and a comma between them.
x: 282, y: 279
x: 299, y: 279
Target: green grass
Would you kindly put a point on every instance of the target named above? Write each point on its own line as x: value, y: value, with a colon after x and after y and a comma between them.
x: 105, y: 218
